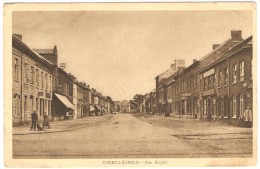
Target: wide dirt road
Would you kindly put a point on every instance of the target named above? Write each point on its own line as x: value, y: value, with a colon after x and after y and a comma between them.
x: 121, y: 136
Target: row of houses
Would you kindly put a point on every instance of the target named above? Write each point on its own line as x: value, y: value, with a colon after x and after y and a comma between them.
x: 216, y: 87
x: 40, y: 85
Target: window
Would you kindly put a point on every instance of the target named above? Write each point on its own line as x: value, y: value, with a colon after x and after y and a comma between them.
x: 241, y: 104
x: 214, y: 107
x: 234, y: 113
x: 188, y: 83
x: 192, y: 81
x: 37, y: 78
x: 205, y: 107
x: 42, y: 79
x: 214, y: 80
x: 210, y: 82
x: 201, y: 86
x: 46, y: 82
x: 37, y: 104
x: 32, y: 105
x: 32, y: 75
x: 206, y: 83
x: 26, y: 73
x: 241, y: 71
x: 234, y: 79
x: 50, y: 82
x: 16, y: 68
x: 226, y: 76
x: 219, y: 78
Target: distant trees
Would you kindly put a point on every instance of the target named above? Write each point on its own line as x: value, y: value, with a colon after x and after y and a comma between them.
x: 136, y: 102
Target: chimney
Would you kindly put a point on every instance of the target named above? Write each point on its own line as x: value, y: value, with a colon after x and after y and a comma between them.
x: 215, y: 46
x: 194, y: 60
x: 236, y: 35
x: 172, y: 65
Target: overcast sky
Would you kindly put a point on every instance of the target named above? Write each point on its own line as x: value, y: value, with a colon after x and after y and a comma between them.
x: 121, y: 53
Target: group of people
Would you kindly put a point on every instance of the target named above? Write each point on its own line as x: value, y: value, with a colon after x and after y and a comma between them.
x: 35, y: 123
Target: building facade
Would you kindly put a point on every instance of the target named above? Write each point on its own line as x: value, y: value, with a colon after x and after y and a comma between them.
x: 32, y: 82
x: 161, y: 86
x: 227, y: 84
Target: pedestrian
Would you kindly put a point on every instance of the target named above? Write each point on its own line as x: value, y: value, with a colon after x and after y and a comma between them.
x: 45, y: 121
x: 34, y: 117
x: 248, y: 117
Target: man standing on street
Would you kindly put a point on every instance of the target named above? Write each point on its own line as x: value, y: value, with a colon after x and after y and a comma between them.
x: 248, y: 116
x: 34, y: 117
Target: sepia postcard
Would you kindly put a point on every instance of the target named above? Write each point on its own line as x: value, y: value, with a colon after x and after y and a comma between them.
x: 130, y: 84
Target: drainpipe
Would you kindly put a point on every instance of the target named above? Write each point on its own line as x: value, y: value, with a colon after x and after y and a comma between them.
x: 229, y: 117
x: 21, y: 88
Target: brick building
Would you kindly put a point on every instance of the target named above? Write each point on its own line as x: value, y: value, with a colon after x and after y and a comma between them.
x: 185, y: 91
x: 161, y: 85
x: 63, y: 107
x: 227, y: 84
x: 32, y: 82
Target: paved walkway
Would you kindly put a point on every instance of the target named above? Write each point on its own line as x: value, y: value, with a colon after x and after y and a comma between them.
x: 63, y: 125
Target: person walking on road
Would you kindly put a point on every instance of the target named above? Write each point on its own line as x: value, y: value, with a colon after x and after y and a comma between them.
x: 34, y: 117
x: 248, y: 117
x: 45, y: 121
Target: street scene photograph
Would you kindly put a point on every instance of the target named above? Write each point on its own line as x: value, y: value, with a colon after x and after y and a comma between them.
x: 108, y: 84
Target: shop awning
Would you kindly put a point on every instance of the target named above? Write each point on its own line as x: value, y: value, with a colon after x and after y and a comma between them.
x: 65, y: 101
x: 92, y: 108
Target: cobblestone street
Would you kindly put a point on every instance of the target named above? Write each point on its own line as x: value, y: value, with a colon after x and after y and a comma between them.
x: 126, y: 135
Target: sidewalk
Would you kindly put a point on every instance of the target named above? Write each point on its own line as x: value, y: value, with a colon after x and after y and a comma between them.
x: 63, y: 125
x: 193, y: 126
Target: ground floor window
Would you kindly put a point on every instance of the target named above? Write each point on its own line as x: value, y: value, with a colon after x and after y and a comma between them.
x: 214, y: 110
x: 49, y: 107
x: 219, y: 107
x: 37, y: 105
x: 241, y: 105
x: 25, y: 105
x: 205, y: 107
x: 234, y: 106
x: 16, y: 105
x: 225, y: 107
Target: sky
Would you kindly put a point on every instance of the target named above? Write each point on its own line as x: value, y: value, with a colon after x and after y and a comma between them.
x: 121, y: 52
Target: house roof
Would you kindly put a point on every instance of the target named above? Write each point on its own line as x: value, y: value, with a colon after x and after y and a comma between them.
x: 238, y: 47
x: 26, y: 47
x: 44, y: 51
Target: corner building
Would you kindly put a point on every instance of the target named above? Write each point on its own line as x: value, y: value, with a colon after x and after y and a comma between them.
x: 32, y: 82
